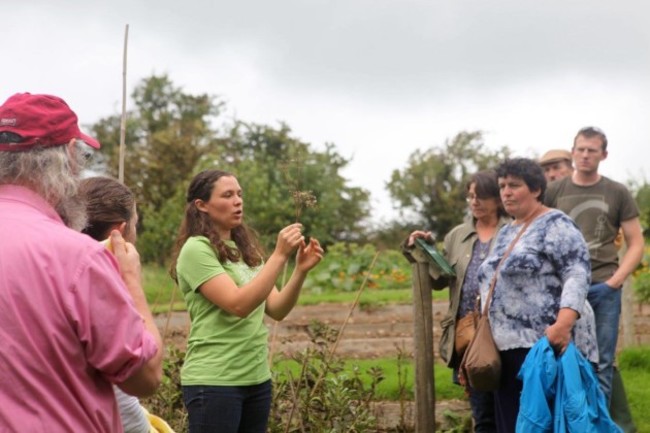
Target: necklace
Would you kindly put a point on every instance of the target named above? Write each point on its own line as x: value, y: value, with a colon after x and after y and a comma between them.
x: 483, y: 248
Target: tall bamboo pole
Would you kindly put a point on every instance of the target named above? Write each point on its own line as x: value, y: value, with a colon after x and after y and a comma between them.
x: 123, y: 120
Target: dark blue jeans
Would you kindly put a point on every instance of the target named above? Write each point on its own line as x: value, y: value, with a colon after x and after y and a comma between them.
x: 506, y: 398
x: 606, y: 303
x: 482, y: 405
x: 228, y: 409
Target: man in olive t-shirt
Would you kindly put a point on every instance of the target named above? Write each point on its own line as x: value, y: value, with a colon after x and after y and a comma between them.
x: 600, y: 206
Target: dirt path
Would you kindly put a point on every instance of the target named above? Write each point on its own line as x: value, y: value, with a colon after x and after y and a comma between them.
x: 370, y: 333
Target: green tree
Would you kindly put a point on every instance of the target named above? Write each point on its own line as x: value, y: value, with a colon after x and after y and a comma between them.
x: 167, y: 133
x: 280, y: 174
x: 170, y: 138
x: 430, y: 191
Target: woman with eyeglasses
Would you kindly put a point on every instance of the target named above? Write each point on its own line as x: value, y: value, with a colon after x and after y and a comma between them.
x: 465, y: 248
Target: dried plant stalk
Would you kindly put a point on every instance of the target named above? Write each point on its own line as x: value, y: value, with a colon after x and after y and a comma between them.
x: 169, y: 313
x: 345, y: 322
x: 274, y: 331
x: 295, y: 396
x: 293, y: 172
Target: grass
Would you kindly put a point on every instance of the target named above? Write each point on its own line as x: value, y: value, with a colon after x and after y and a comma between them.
x: 159, y: 289
x: 634, y: 364
x: 158, y: 285
x: 637, y: 383
x: 370, y: 297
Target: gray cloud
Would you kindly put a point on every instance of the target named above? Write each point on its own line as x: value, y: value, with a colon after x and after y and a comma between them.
x: 402, y: 49
x: 364, y: 74
x: 397, y: 50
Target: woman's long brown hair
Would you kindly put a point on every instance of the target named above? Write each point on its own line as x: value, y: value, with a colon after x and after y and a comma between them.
x: 197, y: 223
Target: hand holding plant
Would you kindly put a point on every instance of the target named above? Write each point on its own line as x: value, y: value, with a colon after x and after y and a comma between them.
x: 309, y: 255
x: 289, y: 239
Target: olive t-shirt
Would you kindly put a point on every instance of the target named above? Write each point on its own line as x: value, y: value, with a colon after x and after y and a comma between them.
x: 223, y: 349
x: 598, y: 210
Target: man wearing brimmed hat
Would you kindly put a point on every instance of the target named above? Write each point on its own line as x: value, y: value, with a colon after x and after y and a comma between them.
x: 600, y: 206
x: 556, y: 164
x: 70, y: 324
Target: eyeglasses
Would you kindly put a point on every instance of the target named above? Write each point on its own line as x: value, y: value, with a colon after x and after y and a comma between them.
x: 469, y: 198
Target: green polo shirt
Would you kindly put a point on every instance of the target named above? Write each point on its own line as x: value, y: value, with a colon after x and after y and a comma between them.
x: 222, y: 349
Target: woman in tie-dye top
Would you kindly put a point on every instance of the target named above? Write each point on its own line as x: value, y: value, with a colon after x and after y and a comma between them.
x: 541, y: 286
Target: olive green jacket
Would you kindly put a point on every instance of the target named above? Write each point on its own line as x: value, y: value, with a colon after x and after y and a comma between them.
x: 457, y: 249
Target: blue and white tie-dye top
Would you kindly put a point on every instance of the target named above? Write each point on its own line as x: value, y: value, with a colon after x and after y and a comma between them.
x: 547, y: 269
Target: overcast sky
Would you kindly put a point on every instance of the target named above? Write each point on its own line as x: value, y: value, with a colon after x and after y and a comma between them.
x: 378, y: 78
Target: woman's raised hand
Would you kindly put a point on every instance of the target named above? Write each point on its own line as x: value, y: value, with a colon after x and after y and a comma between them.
x: 309, y: 255
x: 289, y: 239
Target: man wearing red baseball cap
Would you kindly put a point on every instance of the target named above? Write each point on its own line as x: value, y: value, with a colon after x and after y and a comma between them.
x: 72, y: 322
x: 39, y: 120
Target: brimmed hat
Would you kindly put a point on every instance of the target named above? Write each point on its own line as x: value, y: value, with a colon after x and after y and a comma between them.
x: 42, y: 120
x: 555, y: 155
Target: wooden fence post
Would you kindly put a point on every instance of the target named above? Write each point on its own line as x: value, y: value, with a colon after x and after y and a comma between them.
x: 627, y: 309
x: 627, y: 314
x: 425, y: 412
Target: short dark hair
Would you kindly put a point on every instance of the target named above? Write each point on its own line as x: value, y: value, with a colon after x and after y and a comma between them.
x: 526, y: 169
x: 591, y: 132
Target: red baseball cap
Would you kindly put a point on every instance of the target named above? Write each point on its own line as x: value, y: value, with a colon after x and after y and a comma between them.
x: 40, y: 120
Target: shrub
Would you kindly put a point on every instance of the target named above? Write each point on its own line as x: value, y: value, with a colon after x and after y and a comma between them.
x: 323, y: 398
x: 167, y: 403
x: 346, y: 265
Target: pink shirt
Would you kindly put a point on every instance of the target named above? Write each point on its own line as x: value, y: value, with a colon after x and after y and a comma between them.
x: 68, y: 326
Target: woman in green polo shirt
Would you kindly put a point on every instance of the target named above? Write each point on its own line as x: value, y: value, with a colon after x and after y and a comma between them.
x: 228, y: 288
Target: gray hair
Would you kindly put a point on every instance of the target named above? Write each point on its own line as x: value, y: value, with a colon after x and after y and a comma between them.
x: 52, y: 172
